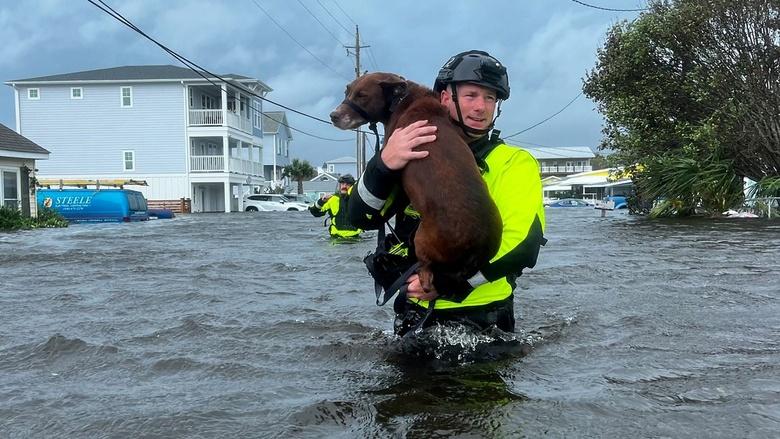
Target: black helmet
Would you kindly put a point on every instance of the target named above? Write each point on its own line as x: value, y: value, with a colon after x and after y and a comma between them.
x: 477, y: 67
x: 348, y: 179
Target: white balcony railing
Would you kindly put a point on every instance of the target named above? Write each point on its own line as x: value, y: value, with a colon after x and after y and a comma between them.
x: 216, y: 163
x: 207, y: 163
x: 202, y: 118
x: 239, y: 121
x: 565, y: 169
x: 243, y: 166
x: 205, y: 117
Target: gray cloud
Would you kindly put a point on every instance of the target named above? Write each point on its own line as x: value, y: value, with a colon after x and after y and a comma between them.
x: 547, y: 46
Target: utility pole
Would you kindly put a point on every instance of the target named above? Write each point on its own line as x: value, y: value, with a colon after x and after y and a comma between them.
x: 360, y: 145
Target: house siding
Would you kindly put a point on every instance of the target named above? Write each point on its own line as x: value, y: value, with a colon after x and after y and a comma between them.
x: 87, y: 136
x: 343, y: 168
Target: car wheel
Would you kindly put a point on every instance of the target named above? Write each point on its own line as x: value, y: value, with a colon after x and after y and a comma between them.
x: 251, y: 209
x: 292, y: 209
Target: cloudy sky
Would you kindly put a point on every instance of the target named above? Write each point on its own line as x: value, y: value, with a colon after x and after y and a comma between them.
x: 297, y: 47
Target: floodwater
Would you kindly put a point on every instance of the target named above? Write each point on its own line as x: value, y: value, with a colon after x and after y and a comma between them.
x: 254, y: 325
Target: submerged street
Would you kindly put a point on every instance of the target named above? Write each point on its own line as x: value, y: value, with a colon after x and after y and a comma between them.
x: 256, y: 325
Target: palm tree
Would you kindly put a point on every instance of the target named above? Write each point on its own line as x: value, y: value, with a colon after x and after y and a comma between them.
x: 299, y: 170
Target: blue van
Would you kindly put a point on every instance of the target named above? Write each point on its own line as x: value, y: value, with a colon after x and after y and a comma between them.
x: 95, y: 205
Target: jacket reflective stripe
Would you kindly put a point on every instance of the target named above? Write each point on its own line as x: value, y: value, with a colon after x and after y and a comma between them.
x: 369, y: 198
x: 513, y: 180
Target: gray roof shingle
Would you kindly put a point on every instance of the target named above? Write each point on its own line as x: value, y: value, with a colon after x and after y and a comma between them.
x: 271, y: 121
x: 126, y: 73
x: 10, y: 140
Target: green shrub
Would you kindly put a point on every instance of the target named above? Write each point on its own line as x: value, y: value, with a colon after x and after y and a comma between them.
x: 48, y: 218
x: 12, y: 219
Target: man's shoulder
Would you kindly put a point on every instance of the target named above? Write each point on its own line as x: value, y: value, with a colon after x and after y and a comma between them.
x: 505, y: 152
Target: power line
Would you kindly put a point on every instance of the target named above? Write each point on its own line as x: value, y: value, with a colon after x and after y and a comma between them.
x: 344, y: 12
x: 301, y: 131
x: 189, y: 64
x: 548, y: 118
x: 609, y: 9
x: 297, y: 42
x: 334, y: 18
x: 200, y: 70
x: 372, y: 59
x: 321, y: 23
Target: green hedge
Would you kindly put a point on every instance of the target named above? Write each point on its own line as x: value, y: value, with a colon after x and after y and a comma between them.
x: 12, y: 219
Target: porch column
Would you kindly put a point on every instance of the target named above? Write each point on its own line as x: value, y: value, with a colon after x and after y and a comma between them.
x: 276, y: 175
x: 238, y: 108
x: 240, y: 197
x: 223, y: 90
x: 228, y: 195
x: 226, y: 153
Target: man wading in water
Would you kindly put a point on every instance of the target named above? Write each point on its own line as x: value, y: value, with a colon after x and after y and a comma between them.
x: 471, y: 86
x: 337, y: 207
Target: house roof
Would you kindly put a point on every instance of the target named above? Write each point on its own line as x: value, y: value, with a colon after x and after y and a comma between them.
x: 597, y: 178
x: 563, y: 152
x: 271, y: 121
x: 131, y: 73
x: 345, y: 159
x: 324, y: 177
x: 10, y: 140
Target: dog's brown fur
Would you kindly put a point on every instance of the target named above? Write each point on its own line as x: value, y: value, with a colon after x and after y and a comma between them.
x: 460, y: 227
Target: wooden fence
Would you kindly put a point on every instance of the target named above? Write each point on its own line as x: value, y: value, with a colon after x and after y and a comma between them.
x: 182, y: 205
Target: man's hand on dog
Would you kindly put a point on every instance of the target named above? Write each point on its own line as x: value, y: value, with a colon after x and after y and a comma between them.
x: 400, y: 146
x: 415, y: 290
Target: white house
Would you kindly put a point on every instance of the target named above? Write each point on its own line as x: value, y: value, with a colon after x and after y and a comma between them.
x: 17, y: 168
x: 188, y: 137
x: 561, y: 161
x: 593, y: 185
x: 277, y: 136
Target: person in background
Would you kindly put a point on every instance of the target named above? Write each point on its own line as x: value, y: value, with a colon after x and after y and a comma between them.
x: 337, y: 207
x: 471, y: 85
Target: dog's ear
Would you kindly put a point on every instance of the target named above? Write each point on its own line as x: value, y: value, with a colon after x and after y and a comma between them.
x: 394, y: 87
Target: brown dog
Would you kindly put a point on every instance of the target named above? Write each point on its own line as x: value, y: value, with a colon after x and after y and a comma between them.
x: 460, y: 226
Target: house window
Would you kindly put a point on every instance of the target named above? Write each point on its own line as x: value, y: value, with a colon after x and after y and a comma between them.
x: 190, y: 93
x: 76, y: 93
x: 128, y: 160
x: 33, y: 93
x: 127, y: 96
x: 10, y: 189
x: 331, y: 168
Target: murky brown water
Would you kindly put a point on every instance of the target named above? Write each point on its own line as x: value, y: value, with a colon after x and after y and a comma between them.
x: 244, y: 325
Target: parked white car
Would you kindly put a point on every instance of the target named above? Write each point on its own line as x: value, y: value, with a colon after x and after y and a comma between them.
x: 270, y: 202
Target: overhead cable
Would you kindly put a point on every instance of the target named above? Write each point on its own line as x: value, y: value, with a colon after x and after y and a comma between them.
x: 321, y: 23
x: 336, y: 19
x: 546, y: 119
x: 609, y: 9
x: 200, y: 70
x: 297, y: 42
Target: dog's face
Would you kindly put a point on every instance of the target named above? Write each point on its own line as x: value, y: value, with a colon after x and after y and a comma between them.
x: 372, y: 93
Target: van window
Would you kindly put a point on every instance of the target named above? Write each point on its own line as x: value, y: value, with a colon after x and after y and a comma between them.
x: 136, y: 201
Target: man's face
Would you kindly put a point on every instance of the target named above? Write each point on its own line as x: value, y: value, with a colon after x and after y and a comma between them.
x: 344, y: 187
x: 477, y: 105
